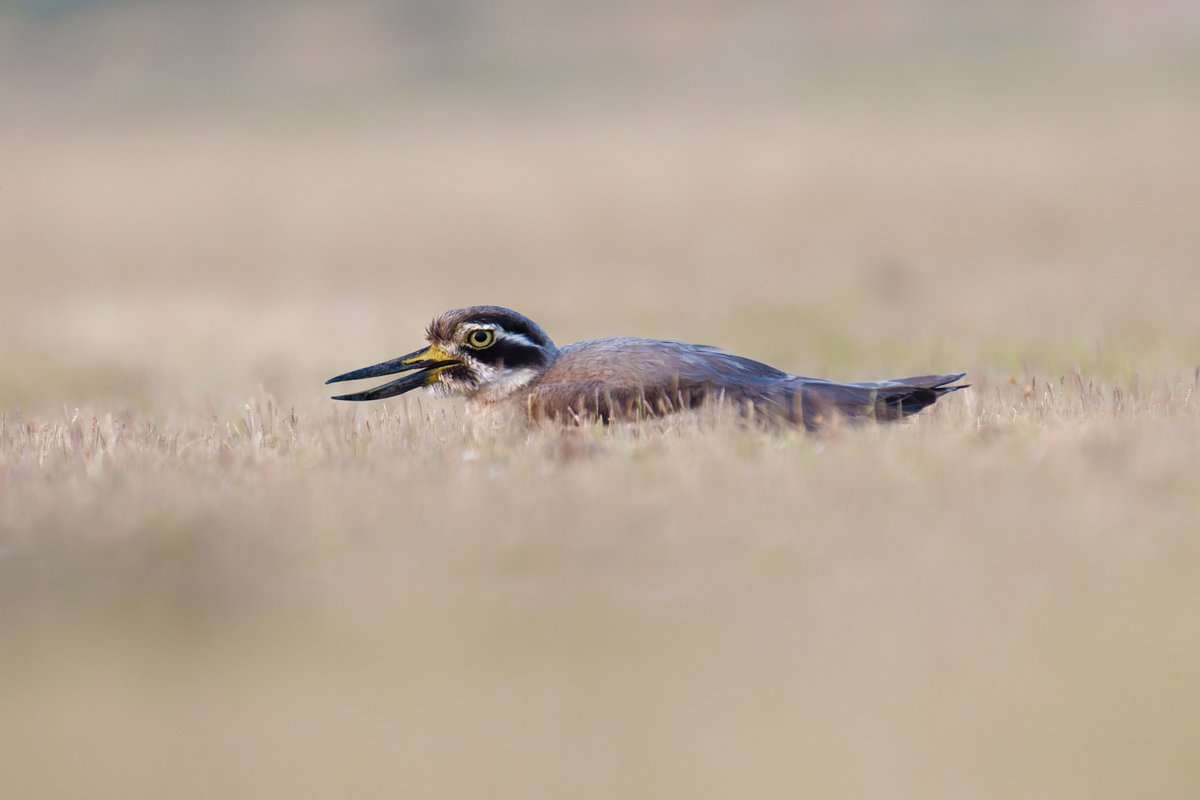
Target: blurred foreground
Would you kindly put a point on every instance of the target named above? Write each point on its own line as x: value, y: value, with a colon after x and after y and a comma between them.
x: 995, y: 601
x: 213, y: 581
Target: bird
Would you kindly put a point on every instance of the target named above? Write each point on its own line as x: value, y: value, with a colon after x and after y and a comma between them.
x: 499, y: 359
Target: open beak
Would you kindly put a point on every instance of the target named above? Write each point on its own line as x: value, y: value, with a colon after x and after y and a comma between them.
x: 424, y: 365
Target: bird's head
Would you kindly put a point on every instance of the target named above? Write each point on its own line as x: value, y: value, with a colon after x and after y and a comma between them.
x: 482, y: 352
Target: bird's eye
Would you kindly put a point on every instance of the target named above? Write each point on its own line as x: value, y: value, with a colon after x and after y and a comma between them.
x: 481, y: 338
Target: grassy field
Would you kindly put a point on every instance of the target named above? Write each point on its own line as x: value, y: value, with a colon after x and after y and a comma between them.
x: 216, y: 582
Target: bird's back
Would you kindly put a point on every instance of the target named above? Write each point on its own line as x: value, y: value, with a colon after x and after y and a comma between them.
x: 630, y: 362
x: 630, y: 377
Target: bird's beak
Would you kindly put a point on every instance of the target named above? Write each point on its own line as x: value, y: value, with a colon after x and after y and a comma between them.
x: 427, y: 363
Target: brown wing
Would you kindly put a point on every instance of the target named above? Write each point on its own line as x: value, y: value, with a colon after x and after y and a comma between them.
x: 621, y: 378
x: 626, y: 378
x: 653, y: 362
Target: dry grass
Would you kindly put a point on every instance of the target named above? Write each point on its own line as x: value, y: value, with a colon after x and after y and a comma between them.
x: 996, y: 601
x: 215, y: 582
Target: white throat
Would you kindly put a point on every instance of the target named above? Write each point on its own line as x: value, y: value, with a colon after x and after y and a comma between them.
x: 498, y: 384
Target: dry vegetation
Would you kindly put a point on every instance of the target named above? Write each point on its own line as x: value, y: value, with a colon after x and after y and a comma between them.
x: 215, y: 582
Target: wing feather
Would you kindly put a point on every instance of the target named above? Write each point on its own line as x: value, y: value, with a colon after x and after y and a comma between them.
x: 628, y: 378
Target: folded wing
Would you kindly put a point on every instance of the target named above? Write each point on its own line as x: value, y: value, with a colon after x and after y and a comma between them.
x: 629, y: 378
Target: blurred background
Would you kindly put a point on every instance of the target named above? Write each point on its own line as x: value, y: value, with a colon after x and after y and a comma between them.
x: 213, y: 581
x: 209, y: 197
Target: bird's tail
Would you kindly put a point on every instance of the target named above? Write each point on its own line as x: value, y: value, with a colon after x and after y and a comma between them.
x: 881, y: 400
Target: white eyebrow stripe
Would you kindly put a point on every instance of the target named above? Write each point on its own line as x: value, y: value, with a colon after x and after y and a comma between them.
x: 516, y: 338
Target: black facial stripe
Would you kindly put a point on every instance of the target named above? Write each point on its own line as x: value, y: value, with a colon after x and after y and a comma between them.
x: 511, y: 355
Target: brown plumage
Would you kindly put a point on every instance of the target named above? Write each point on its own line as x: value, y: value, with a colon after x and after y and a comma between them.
x: 496, y: 357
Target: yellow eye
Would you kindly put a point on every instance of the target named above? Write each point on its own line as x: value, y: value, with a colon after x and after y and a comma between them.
x: 481, y: 338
